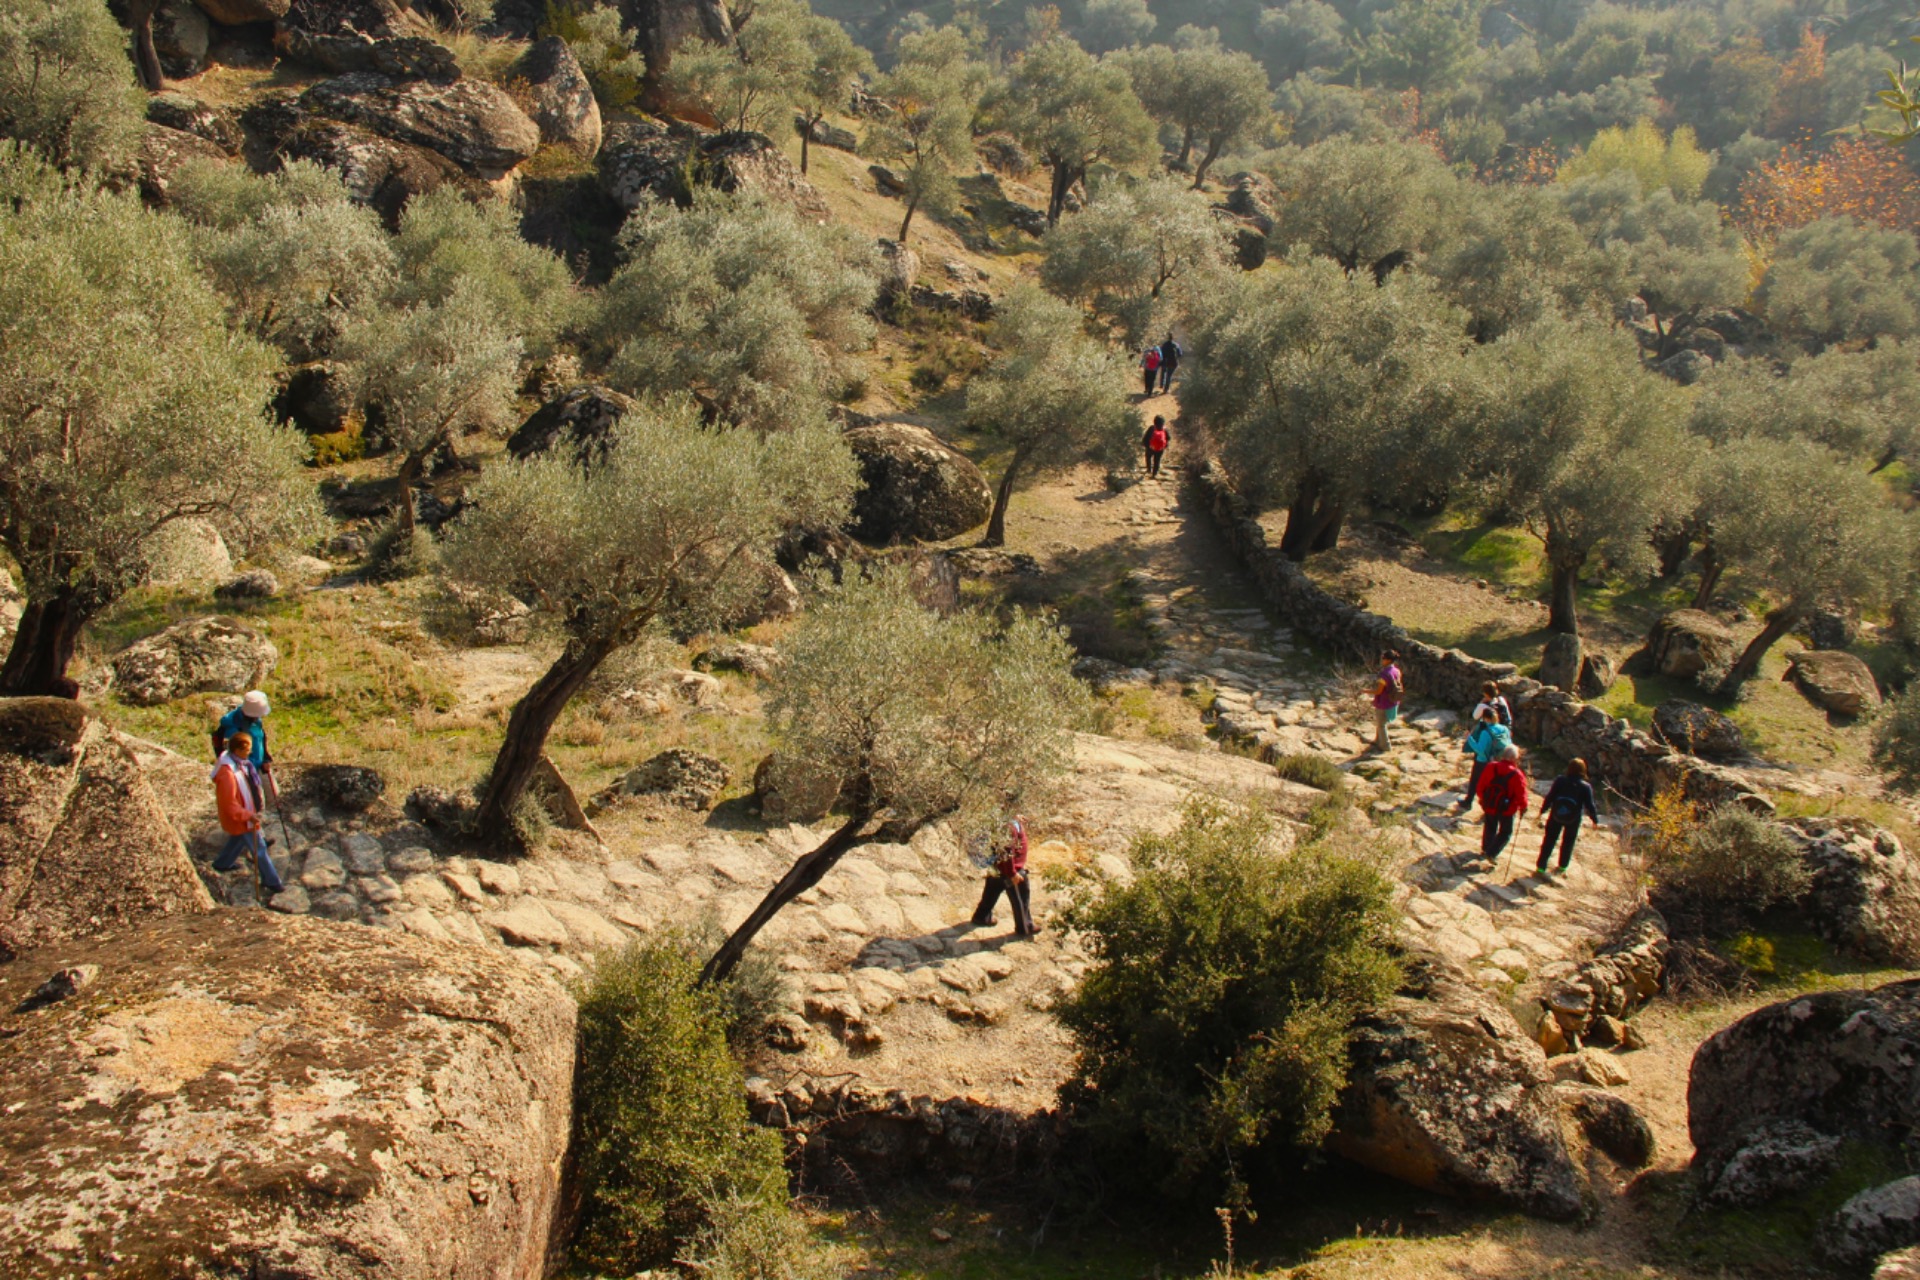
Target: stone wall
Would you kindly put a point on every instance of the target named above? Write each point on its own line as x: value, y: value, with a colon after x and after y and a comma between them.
x: 1619, y: 755
x: 1625, y: 973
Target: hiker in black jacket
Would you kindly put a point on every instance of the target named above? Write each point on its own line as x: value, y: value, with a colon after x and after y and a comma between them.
x: 1170, y: 354
x: 1568, y: 800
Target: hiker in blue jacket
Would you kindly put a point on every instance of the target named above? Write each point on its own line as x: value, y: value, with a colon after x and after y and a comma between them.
x: 1568, y: 800
x: 1487, y: 740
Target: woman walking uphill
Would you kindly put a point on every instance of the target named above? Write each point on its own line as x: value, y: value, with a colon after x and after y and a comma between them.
x: 1150, y: 369
x: 1570, y: 798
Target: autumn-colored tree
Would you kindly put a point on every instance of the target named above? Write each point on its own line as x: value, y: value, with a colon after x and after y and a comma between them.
x: 1856, y: 179
x: 1800, y: 104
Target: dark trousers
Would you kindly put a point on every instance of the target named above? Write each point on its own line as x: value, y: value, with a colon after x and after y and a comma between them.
x: 1473, y: 780
x: 1153, y: 462
x: 1494, y: 834
x: 1019, y: 896
x: 1150, y: 375
x: 1166, y: 375
x: 1567, y: 832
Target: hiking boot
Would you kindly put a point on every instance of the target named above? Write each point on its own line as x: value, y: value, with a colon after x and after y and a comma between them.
x: 984, y: 923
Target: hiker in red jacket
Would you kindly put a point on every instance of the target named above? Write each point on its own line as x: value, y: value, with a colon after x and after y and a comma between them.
x: 1155, y: 443
x: 1009, y: 876
x: 1150, y: 367
x: 1503, y: 798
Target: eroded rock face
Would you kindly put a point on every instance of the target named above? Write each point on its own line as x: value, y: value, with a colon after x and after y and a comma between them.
x: 582, y: 417
x: 683, y: 777
x: 472, y: 123
x: 1687, y: 642
x: 1447, y: 1093
x: 1697, y: 730
x: 914, y: 486
x: 1836, y: 681
x: 243, y: 1093
x: 563, y: 103
x: 199, y: 655
x: 644, y: 160
x: 85, y: 844
x: 377, y: 171
x: 1834, y: 1063
x: 1865, y: 897
x: 1876, y: 1221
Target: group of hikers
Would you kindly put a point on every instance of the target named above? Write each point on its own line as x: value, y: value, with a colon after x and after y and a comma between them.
x: 242, y: 784
x: 1157, y: 365
x: 1498, y: 779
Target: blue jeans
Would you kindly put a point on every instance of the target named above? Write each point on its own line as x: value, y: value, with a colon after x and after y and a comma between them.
x: 1166, y: 376
x: 230, y: 854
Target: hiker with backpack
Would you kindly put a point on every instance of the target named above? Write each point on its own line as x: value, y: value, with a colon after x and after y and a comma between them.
x: 1568, y: 799
x: 1487, y: 742
x: 1009, y: 876
x: 250, y: 718
x: 1389, y: 691
x: 1155, y: 443
x: 1503, y: 799
x: 1491, y: 698
x: 1150, y: 367
x: 1170, y: 354
x: 241, y: 797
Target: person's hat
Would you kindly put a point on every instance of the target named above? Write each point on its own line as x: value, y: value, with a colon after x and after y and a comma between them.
x: 254, y: 705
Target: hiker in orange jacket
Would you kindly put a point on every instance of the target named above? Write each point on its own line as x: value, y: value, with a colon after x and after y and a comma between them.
x: 241, y: 795
x: 1503, y: 798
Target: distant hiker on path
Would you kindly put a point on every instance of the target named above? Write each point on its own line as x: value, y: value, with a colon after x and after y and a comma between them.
x: 1503, y: 798
x: 1150, y: 367
x: 1170, y: 354
x: 1155, y: 443
x: 1389, y: 691
x: 241, y: 796
x: 1009, y: 876
x: 1570, y: 797
x: 1488, y: 741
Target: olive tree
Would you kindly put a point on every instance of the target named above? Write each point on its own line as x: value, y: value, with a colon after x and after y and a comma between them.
x: 1589, y: 450
x: 741, y: 304
x: 934, y: 89
x: 1074, y: 113
x: 1130, y: 243
x: 1802, y: 526
x: 1856, y: 403
x: 66, y: 88
x: 447, y: 242
x: 434, y: 369
x: 826, y: 82
x: 753, y: 81
x: 1429, y: 46
x: 1053, y: 395
x: 912, y: 715
x: 1837, y: 280
x: 1212, y: 96
x: 1324, y: 389
x: 1517, y: 258
x: 126, y: 405
x: 1366, y: 205
x: 669, y: 525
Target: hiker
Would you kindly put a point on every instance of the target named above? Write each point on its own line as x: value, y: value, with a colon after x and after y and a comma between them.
x: 1009, y: 876
x: 242, y: 800
x: 248, y: 718
x: 1570, y: 796
x: 1170, y: 354
x: 1150, y: 366
x: 1488, y: 741
x: 1491, y: 698
x: 1503, y: 798
x: 1388, y: 693
x: 1155, y: 443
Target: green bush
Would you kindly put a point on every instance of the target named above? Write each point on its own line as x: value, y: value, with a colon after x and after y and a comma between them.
x: 1213, y: 1021
x: 662, y: 1133
x: 1310, y: 770
x: 1896, y: 739
x: 753, y: 1238
x: 1732, y: 864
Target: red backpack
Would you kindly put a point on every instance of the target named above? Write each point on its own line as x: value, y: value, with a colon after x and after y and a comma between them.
x: 1157, y: 439
x: 1151, y: 360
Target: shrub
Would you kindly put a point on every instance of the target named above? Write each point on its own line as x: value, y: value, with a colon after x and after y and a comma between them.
x: 1310, y: 770
x: 749, y: 1238
x: 66, y: 85
x: 1732, y: 864
x: 1213, y: 1021
x: 1896, y: 739
x: 662, y: 1134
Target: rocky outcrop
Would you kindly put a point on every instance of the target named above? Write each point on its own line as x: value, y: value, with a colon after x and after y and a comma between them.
x: 377, y: 171
x: 680, y: 776
x: 734, y: 655
x: 163, y: 153
x: 184, y: 552
x: 582, y: 417
x: 915, y: 486
x: 1876, y: 1221
x: 1833, y: 1064
x: 472, y: 123
x: 899, y: 269
x: 254, y: 584
x: 647, y: 161
x: 85, y: 844
x: 305, y: 1099
x: 182, y: 37
x: 199, y: 655
x: 786, y: 791
x: 1865, y: 896
x: 562, y: 103
x: 1446, y: 1092
x: 1835, y: 681
x: 176, y: 110
x: 347, y: 788
x: 662, y: 26
x: 1688, y: 643
x: 398, y: 57
x: 237, y: 13
x: 1701, y: 731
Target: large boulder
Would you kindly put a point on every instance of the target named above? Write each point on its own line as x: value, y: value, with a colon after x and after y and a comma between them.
x: 199, y: 655
x: 377, y: 171
x: 398, y: 57
x: 1446, y: 1092
x: 662, y: 26
x: 237, y: 13
x: 182, y: 111
x: 582, y: 418
x: 1697, y: 730
x: 470, y: 122
x: 680, y: 776
x: 85, y: 844
x: 1865, y: 896
x: 562, y: 101
x: 184, y: 552
x: 1688, y: 642
x: 1836, y: 681
x: 645, y: 161
x: 915, y: 485
x: 244, y: 1093
x: 786, y: 790
x: 1876, y: 1221
x: 1836, y: 1064
x: 1560, y: 663
x: 374, y: 19
x: 1596, y: 674
x: 182, y: 37
x: 163, y: 153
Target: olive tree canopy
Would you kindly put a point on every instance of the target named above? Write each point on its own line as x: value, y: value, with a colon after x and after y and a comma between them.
x: 1366, y: 205
x: 1074, y: 112
x: 934, y: 88
x: 66, y: 87
x: 1837, y: 280
x: 1131, y: 242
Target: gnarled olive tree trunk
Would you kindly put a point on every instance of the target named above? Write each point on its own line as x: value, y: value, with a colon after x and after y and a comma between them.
x: 526, y: 741
x: 805, y: 873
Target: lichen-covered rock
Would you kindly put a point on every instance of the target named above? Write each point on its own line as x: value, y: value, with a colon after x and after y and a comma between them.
x: 1878, y: 1220
x: 1697, y: 730
x: 470, y: 122
x: 1560, y: 662
x: 85, y: 844
x: 182, y: 37
x: 1688, y: 642
x: 496, y: 617
x: 398, y: 57
x: 1446, y: 1092
x: 643, y: 161
x: 250, y: 1093
x: 163, y: 153
x: 1611, y: 1124
x: 1597, y: 674
x: 915, y: 486
x: 787, y: 791
x: 351, y: 788
x: 187, y: 114
x: 1836, y: 681
x: 563, y: 104
x: 1840, y: 1063
x: 681, y: 776
x: 237, y: 13
x: 377, y: 171
x: 581, y: 417
x: 660, y: 27
x: 183, y: 552
x: 1865, y: 895
x: 254, y: 584
x: 734, y: 655
x: 1775, y: 1160
x: 199, y: 655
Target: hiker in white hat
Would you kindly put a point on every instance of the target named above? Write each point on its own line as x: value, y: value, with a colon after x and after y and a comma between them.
x: 250, y: 718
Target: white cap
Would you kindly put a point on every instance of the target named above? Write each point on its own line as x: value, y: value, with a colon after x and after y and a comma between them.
x: 254, y: 705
